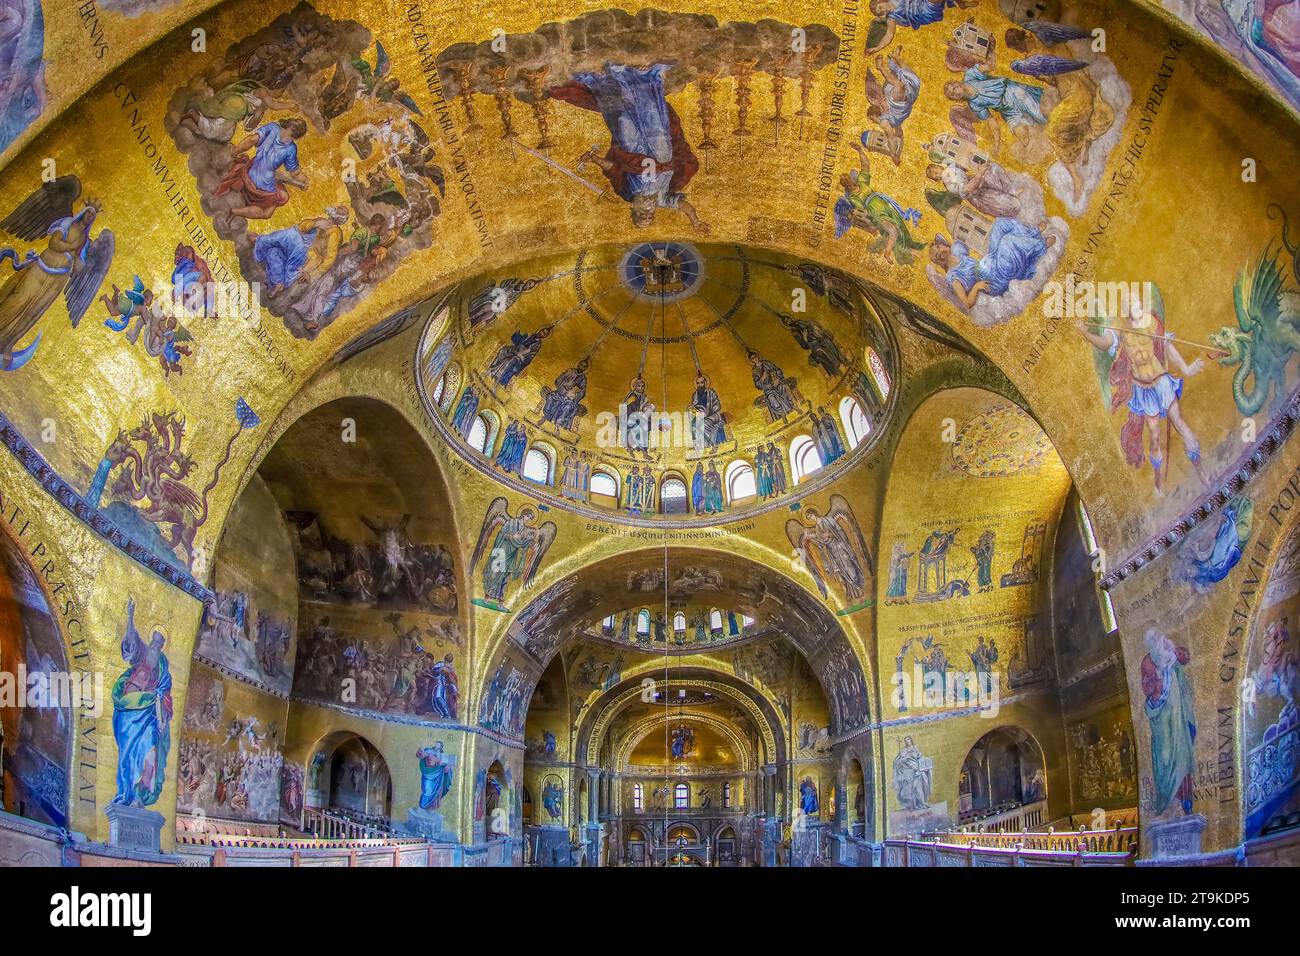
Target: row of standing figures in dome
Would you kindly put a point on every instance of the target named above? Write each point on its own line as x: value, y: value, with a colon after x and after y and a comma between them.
x: 641, y: 490
x: 561, y: 407
x: 638, y: 422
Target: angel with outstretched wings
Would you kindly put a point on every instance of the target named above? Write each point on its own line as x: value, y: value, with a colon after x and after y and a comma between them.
x: 1081, y: 115
x: 831, y: 547
x: 513, y: 546
x: 379, y: 84
x: 72, y: 263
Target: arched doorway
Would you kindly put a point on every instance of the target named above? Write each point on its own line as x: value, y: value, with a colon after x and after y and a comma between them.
x: 1270, y: 724
x: 1002, y: 771
x: 638, y: 852
x: 359, y: 782
x: 855, y: 799
x: 35, y: 739
x: 727, y: 847
x: 496, y: 800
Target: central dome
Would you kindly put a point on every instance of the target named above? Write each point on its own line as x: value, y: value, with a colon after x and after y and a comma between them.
x: 662, y: 382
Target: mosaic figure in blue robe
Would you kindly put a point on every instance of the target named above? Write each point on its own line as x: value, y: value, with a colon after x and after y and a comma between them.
x: 553, y: 800
x: 516, y: 355
x: 649, y: 162
x: 435, y: 776
x: 142, y: 714
x: 510, y: 457
x: 709, y: 424
x: 466, y: 410
x: 808, y: 798
x: 562, y: 405
x: 1013, y: 253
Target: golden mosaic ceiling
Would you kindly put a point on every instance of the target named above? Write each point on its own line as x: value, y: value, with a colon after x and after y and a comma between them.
x: 666, y: 359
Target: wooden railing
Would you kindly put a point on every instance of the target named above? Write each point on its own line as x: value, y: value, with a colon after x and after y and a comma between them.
x: 332, y: 825
x: 197, y: 825
x: 1120, y: 840
x: 199, y: 844
x: 1066, y: 850
x: 1017, y: 819
x: 288, y: 843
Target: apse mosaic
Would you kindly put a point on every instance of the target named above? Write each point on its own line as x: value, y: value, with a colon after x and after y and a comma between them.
x: 667, y: 381
x: 968, y: 557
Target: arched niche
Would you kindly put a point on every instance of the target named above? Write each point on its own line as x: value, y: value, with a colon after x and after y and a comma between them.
x: 1002, y: 771
x: 562, y: 613
x: 990, y: 610
x: 35, y: 734
x: 856, y: 799
x: 1270, y: 722
x: 378, y: 560
x: 360, y: 783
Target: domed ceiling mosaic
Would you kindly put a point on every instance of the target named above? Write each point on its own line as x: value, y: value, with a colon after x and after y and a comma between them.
x: 663, y: 381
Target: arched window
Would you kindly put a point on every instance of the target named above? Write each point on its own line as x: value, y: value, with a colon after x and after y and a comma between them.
x: 746, y: 621
x: 643, y: 622
x: 679, y: 622
x: 715, y: 621
x: 726, y: 795
x: 804, y: 458
x: 478, y: 434
x: 672, y: 497
x: 603, y: 483
x: 447, y: 388
x: 682, y: 796
x: 1108, y: 619
x: 878, y: 373
x: 608, y: 623
x: 537, y: 465
x: 637, y: 796
x: 856, y: 425
x: 740, y: 481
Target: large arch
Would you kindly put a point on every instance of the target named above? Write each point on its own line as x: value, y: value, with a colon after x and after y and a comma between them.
x: 210, y: 400
x: 37, y: 721
x: 554, y: 618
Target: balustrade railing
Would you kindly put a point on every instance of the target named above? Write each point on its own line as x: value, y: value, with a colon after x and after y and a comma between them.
x: 1119, y: 840
x: 333, y: 825
x: 1015, y: 819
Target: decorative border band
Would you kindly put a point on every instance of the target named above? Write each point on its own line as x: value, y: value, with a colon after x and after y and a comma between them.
x: 1248, y: 466
x: 69, y: 498
x: 242, y: 678
x: 387, y: 718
